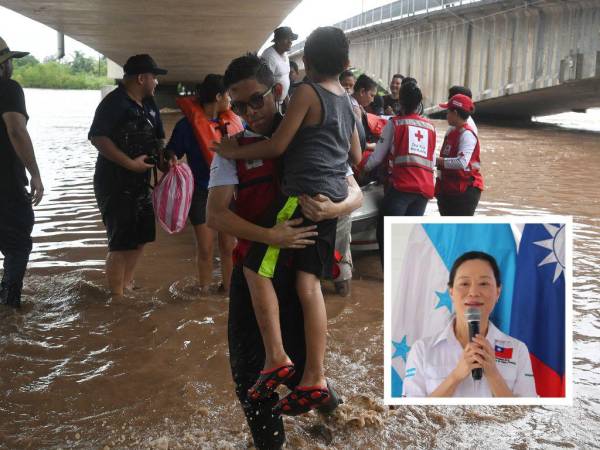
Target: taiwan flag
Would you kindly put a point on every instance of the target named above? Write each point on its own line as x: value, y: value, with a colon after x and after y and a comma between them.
x: 538, y: 307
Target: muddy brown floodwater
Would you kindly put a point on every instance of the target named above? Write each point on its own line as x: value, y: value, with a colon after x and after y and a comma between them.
x: 78, y: 370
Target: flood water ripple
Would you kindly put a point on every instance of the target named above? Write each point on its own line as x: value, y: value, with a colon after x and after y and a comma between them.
x: 79, y: 370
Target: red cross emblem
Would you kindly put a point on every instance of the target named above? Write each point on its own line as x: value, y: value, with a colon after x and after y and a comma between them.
x: 419, y: 136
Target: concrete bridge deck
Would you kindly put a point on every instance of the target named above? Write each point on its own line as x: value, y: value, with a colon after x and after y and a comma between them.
x: 190, y: 38
x: 520, y: 58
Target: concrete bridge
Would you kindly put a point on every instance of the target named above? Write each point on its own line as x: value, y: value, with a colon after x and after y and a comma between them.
x: 190, y: 38
x: 520, y: 58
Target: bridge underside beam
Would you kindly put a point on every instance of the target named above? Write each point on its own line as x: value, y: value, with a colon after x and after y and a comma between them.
x: 517, y: 57
x: 576, y: 95
x: 190, y: 38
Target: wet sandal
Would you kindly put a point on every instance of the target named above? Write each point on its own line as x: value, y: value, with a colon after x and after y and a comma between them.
x: 335, y: 400
x: 269, y: 380
x: 301, y: 400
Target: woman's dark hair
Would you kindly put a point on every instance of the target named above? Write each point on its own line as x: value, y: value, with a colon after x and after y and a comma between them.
x: 475, y: 255
x: 411, y: 98
x: 326, y: 51
x: 463, y: 114
x: 346, y: 74
x: 459, y: 90
x: 407, y: 80
x: 364, y: 82
x: 294, y: 66
x: 211, y: 86
x: 247, y: 67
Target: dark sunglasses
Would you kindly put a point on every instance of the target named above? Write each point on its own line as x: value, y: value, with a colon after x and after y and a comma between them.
x: 256, y: 101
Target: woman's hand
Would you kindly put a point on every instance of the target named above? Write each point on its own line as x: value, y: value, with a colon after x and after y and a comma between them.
x: 485, y: 356
x: 486, y: 359
x: 227, y: 148
x: 468, y: 361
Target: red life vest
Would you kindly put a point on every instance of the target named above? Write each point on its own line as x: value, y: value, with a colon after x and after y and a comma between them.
x: 258, y: 186
x: 456, y: 181
x: 412, y: 160
x: 208, y: 131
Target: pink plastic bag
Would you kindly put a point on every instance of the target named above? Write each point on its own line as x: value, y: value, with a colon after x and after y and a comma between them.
x: 172, y: 197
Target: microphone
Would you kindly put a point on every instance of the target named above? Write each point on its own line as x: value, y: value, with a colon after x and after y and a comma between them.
x: 473, y: 317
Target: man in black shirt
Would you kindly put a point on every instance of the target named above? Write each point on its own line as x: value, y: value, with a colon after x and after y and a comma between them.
x: 16, y: 155
x: 391, y: 102
x: 129, y: 136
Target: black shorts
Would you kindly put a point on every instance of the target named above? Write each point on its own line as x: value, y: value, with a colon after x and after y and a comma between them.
x: 316, y: 259
x: 129, y: 219
x: 197, y: 214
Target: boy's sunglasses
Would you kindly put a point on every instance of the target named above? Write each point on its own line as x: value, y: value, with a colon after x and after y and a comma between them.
x: 256, y: 101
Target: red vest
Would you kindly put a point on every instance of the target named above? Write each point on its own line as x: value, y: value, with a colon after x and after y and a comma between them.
x: 257, y: 189
x: 208, y: 131
x: 412, y: 160
x: 456, y: 181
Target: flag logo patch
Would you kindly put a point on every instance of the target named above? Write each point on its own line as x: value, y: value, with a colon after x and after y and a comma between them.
x: 503, y: 352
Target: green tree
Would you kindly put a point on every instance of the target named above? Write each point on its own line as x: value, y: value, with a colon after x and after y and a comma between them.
x: 28, y: 60
x: 83, y: 64
x: 102, y: 66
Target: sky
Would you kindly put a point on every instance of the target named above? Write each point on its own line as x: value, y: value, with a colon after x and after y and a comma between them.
x: 24, y: 34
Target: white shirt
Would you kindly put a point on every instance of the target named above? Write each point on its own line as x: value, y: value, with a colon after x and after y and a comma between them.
x: 280, y: 66
x: 384, y: 146
x: 466, y: 146
x: 432, y: 359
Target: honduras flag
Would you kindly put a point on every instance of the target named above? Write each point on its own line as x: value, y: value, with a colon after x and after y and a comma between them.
x: 421, y: 304
x: 538, y: 311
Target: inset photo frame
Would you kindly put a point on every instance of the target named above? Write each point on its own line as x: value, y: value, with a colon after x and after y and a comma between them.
x: 478, y: 311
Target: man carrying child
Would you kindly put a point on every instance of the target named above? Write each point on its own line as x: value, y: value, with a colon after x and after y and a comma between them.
x: 254, y: 96
x: 315, y: 139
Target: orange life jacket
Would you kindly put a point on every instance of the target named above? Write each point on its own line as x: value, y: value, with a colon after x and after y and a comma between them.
x: 208, y: 131
x: 376, y: 124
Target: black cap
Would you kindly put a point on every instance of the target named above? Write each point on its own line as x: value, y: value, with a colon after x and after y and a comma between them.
x: 6, y: 53
x: 284, y: 33
x: 144, y: 63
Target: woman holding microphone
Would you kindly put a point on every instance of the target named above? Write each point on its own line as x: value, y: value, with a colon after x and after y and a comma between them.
x: 452, y: 363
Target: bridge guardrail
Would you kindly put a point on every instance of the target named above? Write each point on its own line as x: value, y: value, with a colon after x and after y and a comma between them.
x: 399, y: 9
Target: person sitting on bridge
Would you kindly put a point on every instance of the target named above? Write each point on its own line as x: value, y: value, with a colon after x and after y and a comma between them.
x: 208, y: 118
x: 16, y: 155
x: 459, y: 183
x: 255, y: 184
x: 315, y: 138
